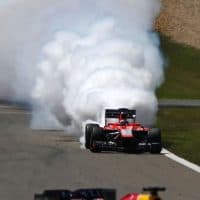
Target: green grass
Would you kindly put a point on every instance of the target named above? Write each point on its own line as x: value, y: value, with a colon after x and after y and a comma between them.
x: 182, y: 74
x: 181, y: 131
x: 180, y: 126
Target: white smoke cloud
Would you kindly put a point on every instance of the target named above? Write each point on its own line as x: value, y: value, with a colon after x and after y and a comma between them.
x: 95, y: 54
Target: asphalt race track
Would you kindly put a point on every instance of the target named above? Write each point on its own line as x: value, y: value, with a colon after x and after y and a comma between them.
x: 31, y: 161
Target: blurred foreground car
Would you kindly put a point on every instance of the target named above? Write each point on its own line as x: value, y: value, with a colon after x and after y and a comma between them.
x: 81, y: 194
x: 98, y: 194
x: 122, y: 133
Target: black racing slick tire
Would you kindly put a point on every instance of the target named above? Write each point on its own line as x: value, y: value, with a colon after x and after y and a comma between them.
x: 155, y: 140
x: 96, y: 135
x: 88, y: 132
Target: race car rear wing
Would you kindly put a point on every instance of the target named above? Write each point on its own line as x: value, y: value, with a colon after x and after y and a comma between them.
x: 113, y: 115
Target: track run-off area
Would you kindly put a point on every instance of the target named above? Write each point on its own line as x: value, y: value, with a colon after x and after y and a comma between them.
x: 35, y: 160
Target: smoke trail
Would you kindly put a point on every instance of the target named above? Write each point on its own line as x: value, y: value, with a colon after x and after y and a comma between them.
x: 95, y: 54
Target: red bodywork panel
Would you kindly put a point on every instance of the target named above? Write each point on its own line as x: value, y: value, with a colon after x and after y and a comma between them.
x: 125, y: 130
x: 133, y: 196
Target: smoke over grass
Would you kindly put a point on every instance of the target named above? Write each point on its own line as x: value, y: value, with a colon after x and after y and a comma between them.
x: 72, y: 59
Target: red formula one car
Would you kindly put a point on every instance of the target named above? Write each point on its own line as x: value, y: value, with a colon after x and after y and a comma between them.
x: 122, y: 133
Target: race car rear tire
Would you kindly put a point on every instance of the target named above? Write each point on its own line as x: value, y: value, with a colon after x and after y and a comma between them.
x: 88, y: 131
x: 154, y: 139
x: 96, y: 135
x: 154, y: 135
x: 155, y: 148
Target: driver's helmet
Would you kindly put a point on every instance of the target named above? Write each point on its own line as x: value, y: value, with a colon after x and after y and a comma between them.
x: 123, y: 118
x: 123, y: 115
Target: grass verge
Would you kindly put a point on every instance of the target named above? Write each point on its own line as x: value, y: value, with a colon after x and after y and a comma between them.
x: 182, y: 74
x: 181, y: 131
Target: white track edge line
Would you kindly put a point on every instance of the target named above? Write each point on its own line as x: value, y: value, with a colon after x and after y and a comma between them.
x: 180, y: 160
